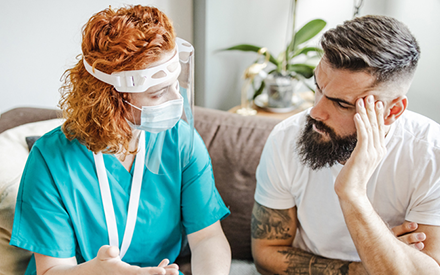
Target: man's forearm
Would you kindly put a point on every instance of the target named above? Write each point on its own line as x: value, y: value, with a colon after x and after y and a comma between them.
x: 380, y: 251
x: 273, y: 231
x: 286, y: 260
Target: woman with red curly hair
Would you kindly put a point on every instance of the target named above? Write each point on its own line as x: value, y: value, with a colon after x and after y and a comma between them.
x: 120, y: 185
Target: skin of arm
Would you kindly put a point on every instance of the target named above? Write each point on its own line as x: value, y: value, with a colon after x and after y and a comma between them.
x: 380, y: 251
x: 106, y: 262
x: 273, y: 232
x: 210, y: 251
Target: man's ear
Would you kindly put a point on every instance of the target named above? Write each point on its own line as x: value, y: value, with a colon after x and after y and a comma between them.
x: 395, y: 109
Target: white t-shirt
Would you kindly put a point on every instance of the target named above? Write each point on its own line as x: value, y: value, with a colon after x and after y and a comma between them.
x: 405, y: 186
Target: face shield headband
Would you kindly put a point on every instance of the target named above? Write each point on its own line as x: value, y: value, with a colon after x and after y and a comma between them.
x: 138, y: 81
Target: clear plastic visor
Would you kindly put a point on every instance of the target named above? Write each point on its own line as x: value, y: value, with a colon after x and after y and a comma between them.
x: 170, y: 150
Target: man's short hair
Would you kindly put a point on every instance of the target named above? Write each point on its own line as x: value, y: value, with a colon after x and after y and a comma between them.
x: 379, y: 45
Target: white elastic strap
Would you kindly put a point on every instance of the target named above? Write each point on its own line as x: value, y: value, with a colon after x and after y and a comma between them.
x: 107, y: 78
x: 133, y: 204
x: 136, y: 107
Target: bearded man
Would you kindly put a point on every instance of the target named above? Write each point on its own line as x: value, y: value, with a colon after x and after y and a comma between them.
x: 352, y: 185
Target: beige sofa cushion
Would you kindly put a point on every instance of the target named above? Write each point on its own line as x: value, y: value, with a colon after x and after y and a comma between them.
x: 235, y: 144
x: 13, y: 154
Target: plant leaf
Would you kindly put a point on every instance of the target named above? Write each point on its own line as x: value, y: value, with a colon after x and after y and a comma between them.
x: 304, y: 82
x: 260, y: 90
x: 250, y: 48
x: 302, y: 69
x: 306, y: 50
x: 308, y: 31
x: 308, y: 87
x: 243, y: 47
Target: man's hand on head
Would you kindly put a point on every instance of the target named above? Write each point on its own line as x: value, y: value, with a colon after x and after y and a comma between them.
x: 369, y: 152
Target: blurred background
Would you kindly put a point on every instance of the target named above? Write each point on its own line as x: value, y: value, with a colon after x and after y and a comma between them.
x: 41, y: 39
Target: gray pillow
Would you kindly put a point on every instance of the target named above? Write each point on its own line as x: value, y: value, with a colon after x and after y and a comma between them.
x: 31, y: 140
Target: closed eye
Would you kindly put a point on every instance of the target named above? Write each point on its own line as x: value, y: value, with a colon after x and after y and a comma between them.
x: 342, y: 105
x: 338, y: 102
x: 159, y: 93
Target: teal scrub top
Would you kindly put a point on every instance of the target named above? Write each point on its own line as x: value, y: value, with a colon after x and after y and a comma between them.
x: 59, y: 210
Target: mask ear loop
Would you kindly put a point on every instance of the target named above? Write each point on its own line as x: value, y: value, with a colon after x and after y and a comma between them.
x: 132, y: 114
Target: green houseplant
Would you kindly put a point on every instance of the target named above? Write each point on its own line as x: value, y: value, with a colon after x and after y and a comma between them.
x: 296, y: 61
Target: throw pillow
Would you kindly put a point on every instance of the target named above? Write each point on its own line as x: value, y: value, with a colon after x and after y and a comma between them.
x: 31, y: 140
x: 14, y: 152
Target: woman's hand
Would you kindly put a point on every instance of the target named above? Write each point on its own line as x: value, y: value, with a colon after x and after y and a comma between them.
x: 106, y: 262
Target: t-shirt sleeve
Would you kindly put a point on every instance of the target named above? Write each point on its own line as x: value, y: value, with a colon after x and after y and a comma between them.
x: 425, y: 206
x: 201, y: 202
x: 41, y: 222
x: 273, y: 173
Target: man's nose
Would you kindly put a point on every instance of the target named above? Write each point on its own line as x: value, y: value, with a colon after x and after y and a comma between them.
x: 319, y: 111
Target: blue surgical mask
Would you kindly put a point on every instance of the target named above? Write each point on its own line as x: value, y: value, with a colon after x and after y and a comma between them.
x: 155, y: 119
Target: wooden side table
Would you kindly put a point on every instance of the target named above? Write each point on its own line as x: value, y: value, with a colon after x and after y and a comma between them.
x: 263, y: 112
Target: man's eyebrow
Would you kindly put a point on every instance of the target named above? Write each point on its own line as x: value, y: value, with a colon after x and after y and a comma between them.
x: 316, y: 83
x: 334, y: 99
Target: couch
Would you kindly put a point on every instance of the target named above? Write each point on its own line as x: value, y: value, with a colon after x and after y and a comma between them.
x: 234, y: 143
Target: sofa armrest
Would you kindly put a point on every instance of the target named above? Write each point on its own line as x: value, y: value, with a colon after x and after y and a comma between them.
x: 14, y: 151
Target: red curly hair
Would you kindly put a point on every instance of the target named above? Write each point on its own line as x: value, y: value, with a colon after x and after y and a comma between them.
x: 129, y: 38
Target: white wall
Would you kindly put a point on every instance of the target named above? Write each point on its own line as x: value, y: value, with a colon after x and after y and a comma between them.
x: 424, y: 22
x: 40, y: 40
x: 264, y: 23
x: 231, y: 22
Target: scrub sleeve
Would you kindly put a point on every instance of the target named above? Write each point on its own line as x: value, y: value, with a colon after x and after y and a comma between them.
x: 201, y: 203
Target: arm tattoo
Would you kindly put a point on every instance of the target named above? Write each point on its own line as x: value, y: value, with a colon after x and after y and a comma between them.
x: 273, y: 224
x: 301, y: 262
x: 269, y: 223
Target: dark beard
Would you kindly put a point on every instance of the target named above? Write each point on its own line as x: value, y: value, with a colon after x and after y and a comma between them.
x: 316, y: 153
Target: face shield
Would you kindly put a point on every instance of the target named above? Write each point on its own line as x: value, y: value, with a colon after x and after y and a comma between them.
x: 161, y: 145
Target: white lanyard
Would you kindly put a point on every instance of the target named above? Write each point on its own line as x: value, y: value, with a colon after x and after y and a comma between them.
x: 133, y: 204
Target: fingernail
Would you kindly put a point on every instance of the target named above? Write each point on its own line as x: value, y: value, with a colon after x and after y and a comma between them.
x: 419, y: 246
x: 379, y: 105
x: 420, y: 236
x: 370, y: 99
x: 361, y: 103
